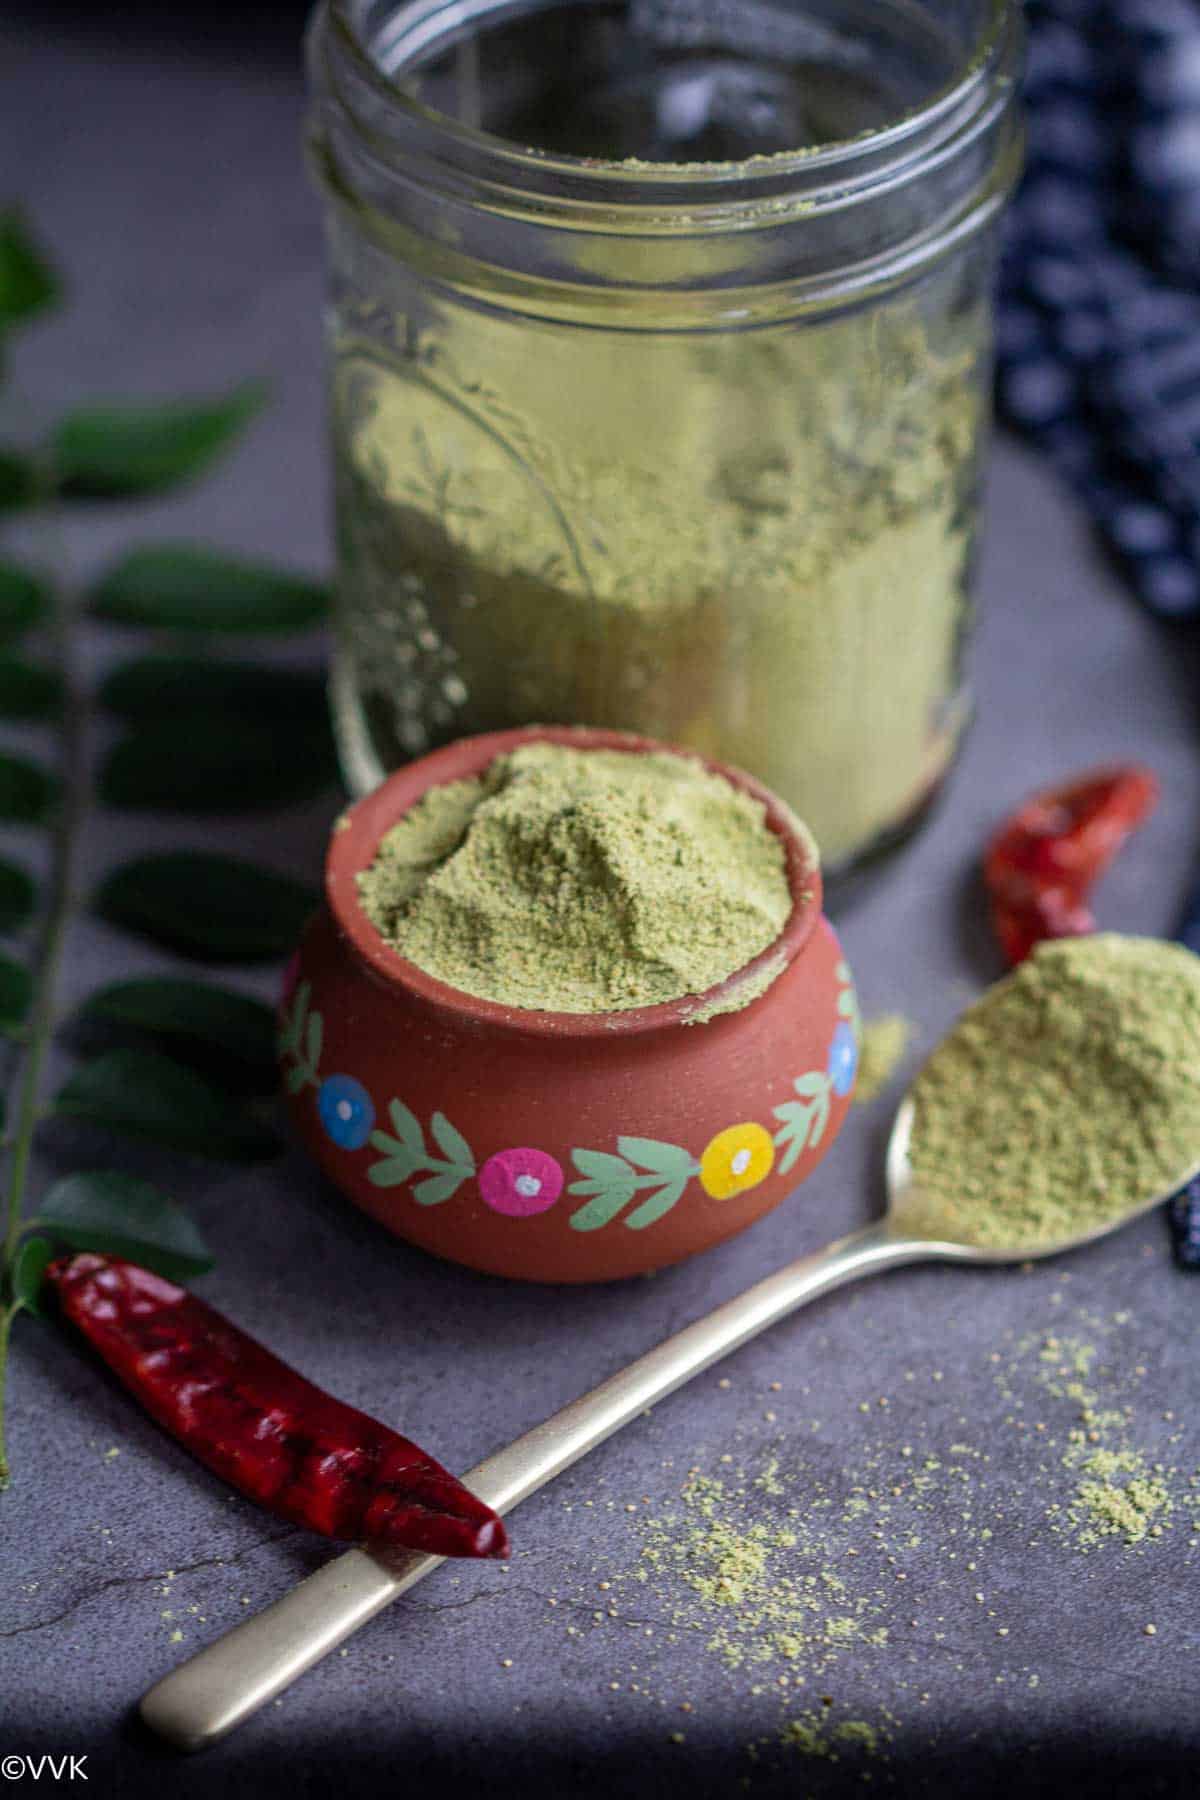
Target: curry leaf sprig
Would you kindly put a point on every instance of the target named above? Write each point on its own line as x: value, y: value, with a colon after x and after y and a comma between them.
x: 199, y: 734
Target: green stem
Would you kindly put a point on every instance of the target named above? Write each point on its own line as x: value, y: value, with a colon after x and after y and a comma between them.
x: 66, y: 834
x: 6, y: 1320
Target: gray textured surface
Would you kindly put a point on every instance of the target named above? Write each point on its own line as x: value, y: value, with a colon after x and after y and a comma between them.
x: 170, y: 186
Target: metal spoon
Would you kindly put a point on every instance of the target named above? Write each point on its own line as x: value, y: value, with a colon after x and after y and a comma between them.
x: 224, y: 1684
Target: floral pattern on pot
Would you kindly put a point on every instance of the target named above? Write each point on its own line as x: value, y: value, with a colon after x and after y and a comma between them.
x: 736, y: 1159
x: 346, y: 1110
x: 520, y: 1183
x: 407, y: 1154
x: 843, y: 1058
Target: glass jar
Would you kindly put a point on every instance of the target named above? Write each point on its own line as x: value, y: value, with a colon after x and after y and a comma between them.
x: 661, y: 340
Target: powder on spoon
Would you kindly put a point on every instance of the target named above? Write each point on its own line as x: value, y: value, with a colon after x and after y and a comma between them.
x: 581, y: 880
x: 1068, y: 1093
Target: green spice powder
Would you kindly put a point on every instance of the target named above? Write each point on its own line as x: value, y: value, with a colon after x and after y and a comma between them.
x: 884, y: 1043
x: 1069, y: 1092
x: 581, y: 880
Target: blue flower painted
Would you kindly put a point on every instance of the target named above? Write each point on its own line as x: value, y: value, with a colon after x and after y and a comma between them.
x: 843, y: 1057
x: 346, y: 1111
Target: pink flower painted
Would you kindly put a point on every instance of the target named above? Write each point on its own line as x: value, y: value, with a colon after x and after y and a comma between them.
x: 520, y: 1183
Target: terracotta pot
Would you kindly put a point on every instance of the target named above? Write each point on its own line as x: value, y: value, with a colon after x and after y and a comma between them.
x: 561, y: 1146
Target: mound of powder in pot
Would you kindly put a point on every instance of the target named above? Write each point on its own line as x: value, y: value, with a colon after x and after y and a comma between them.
x: 583, y: 881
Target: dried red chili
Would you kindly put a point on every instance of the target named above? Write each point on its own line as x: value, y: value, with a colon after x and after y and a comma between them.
x: 262, y: 1427
x: 1040, y: 865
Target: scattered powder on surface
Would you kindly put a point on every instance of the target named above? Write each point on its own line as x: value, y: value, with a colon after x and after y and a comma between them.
x: 832, y: 1597
x: 1066, y: 1095
x: 884, y: 1042
x: 581, y: 880
x: 1118, y: 1491
x: 814, y: 1734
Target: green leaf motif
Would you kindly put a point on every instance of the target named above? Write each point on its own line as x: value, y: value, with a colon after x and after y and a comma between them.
x: 658, y: 1205
x: 297, y: 1077
x: 314, y: 1039
x: 16, y: 994
x: 407, y: 1127
x: 28, y: 284
x: 28, y: 793
x: 146, y: 1095
x: 600, y: 1166
x: 803, y: 1121
x: 452, y: 1144
x: 662, y: 1159
x: 29, y: 1266
x: 18, y: 896
x: 175, y: 687
x: 23, y: 600
x: 117, y: 1214
x: 182, y: 587
x: 215, y: 908
x: 810, y: 1086
x: 28, y: 691
x: 437, y: 1188
x: 106, y: 452
x: 398, y: 1164
x: 228, y: 765
x: 236, y: 1025
x: 291, y: 1034
x: 605, y: 1204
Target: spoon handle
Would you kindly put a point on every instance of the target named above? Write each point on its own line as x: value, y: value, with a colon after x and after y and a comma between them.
x: 222, y: 1685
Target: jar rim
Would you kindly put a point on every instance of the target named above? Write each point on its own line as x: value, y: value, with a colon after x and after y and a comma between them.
x: 831, y: 168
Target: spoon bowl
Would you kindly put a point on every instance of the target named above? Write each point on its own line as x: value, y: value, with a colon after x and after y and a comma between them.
x: 904, y: 1219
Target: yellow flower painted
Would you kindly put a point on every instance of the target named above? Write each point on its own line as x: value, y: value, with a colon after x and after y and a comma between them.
x: 737, y: 1158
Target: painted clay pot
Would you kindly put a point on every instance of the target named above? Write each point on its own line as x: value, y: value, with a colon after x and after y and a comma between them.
x: 561, y: 1146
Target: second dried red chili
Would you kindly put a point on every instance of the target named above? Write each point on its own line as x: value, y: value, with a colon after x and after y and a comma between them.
x: 1043, y: 861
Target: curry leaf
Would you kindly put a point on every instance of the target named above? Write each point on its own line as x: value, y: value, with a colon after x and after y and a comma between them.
x: 213, y: 907
x: 150, y: 1096
x: 23, y: 599
x: 27, y: 791
x: 28, y: 284
x: 16, y: 993
x: 171, y: 687
x: 181, y: 587
x: 120, y: 449
x: 235, y: 1024
x: 18, y: 896
x: 18, y: 480
x: 101, y: 1209
x: 233, y: 766
x: 29, y: 1266
x: 27, y: 691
